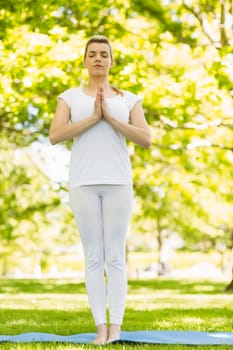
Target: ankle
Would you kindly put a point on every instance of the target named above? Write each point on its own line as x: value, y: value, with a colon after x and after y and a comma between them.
x: 102, y: 326
x: 114, y: 332
x: 114, y: 326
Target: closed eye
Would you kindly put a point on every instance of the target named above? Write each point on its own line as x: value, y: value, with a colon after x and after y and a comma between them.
x: 104, y: 54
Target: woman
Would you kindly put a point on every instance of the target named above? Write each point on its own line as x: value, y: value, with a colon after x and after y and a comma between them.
x: 99, y: 118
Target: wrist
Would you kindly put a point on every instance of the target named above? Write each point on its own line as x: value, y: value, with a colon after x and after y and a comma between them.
x: 110, y: 118
x: 94, y: 117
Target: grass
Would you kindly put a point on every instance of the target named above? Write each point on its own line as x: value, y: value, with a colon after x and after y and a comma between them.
x: 60, y: 306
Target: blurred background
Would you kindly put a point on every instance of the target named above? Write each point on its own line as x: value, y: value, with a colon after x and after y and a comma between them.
x: 179, y: 56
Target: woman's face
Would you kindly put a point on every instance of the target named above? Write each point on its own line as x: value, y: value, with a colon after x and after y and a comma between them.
x: 98, y: 59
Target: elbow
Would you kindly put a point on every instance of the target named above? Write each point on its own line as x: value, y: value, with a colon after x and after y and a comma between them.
x: 53, y: 140
x: 146, y: 145
x: 147, y: 142
x: 147, y: 139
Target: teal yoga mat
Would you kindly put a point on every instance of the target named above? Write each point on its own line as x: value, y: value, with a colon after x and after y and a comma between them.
x: 147, y: 337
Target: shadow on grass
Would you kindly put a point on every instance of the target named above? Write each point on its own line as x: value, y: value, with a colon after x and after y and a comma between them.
x: 62, y: 286
x: 39, y: 286
x: 178, y: 286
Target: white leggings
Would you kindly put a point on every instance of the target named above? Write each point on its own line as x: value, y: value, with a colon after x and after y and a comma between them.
x: 102, y: 214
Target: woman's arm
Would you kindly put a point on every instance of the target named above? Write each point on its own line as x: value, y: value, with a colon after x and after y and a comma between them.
x: 137, y: 131
x: 61, y: 129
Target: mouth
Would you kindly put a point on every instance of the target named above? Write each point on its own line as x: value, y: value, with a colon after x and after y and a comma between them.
x: 98, y: 66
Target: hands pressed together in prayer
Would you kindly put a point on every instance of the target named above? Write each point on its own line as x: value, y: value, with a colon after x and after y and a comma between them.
x: 101, y: 110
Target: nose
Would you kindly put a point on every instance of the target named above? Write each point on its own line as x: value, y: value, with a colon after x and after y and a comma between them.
x: 98, y: 58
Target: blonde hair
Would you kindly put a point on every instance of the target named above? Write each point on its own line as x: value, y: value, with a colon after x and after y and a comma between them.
x: 102, y: 39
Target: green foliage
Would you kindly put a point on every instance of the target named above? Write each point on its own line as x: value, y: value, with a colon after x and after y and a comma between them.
x: 178, y: 55
x: 29, y: 207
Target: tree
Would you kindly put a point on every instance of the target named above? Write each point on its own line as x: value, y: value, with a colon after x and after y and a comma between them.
x: 178, y: 55
x: 193, y: 105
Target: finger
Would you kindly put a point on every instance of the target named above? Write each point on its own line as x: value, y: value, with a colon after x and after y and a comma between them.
x: 101, y: 96
x: 98, y: 97
x: 101, y: 90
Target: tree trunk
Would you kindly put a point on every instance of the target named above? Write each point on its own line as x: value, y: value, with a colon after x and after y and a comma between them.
x: 161, y: 265
x: 229, y: 287
x: 223, y: 36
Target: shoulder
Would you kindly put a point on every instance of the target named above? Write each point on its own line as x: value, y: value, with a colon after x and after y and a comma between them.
x: 70, y: 95
x: 130, y: 98
x: 71, y: 91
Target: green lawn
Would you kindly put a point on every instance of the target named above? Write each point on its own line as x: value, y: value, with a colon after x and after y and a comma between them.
x: 60, y: 306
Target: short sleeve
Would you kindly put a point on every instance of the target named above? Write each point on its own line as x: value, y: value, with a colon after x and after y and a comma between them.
x: 66, y: 96
x: 131, y: 99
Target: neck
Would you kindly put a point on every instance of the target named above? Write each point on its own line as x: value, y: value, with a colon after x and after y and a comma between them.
x: 94, y: 83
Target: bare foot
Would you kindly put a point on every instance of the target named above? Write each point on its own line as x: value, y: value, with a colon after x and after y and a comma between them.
x: 102, y: 335
x: 114, y: 332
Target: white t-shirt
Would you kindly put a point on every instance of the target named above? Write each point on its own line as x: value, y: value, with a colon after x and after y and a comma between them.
x: 99, y: 155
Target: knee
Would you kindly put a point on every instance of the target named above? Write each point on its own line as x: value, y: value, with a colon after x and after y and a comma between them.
x: 94, y: 261
x: 116, y: 262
